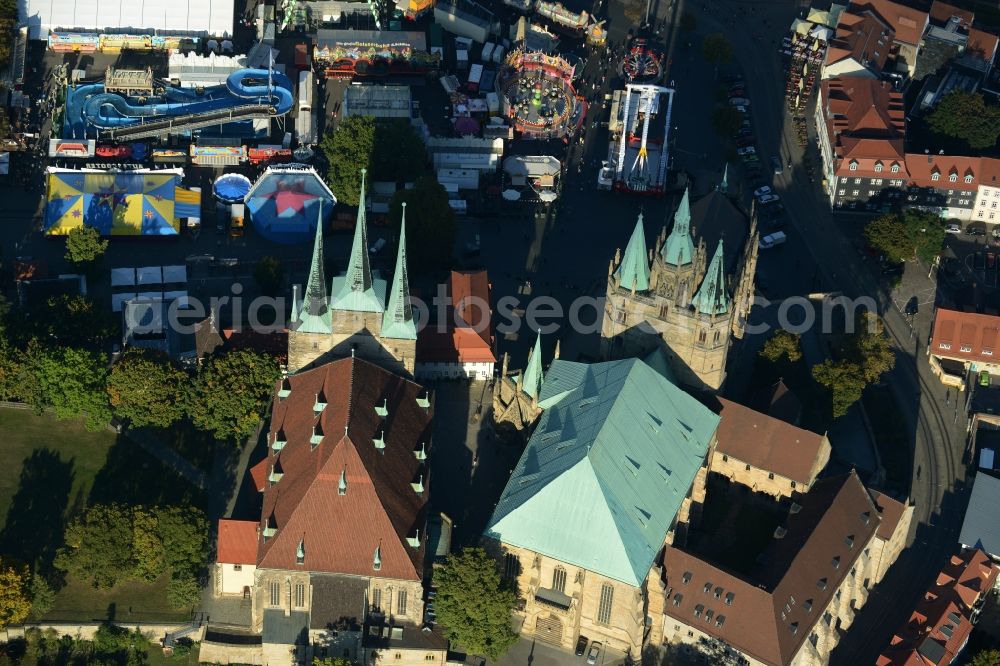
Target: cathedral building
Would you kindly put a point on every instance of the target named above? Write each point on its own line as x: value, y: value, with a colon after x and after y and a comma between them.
x: 674, y: 295
x: 357, y: 315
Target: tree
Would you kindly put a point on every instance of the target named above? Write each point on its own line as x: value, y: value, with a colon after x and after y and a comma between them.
x: 84, y: 246
x: 69, y: 319
x: 888, y: 234
x: 147, y: 548
x: 15, y: 598
x: 331, y: 661
x: 67, y: 380
x: 348, y: 149
x: 230, y: 392
x: 99, y: 546
x: 268, y: 273
x: 986, y: 658
x: 472, y: 604
x: 399, y: 152
x: 689, y: 21
x: 845, y: 382
x: 183, y: 591
x: 869, y: 348
x: 430, y: 224
x: 146, y: 389
x: 183, y: 532
x: 726, y: 121
x: 43, y: 597
x: 783, y: 344
x: 717, y: 49
x: 927, y: 231
x: 966, y: 116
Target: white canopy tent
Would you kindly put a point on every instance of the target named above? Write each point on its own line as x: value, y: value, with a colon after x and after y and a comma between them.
x: 122, y: 277
x: 149, y: 275
x: 118, y: 300
x: 200, y: 18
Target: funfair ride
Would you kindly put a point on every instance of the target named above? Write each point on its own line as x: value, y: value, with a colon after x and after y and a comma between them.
x: 638, y: 154
x: 562, y: 18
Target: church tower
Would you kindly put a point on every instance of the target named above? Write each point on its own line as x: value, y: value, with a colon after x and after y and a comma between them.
x: 669, y: 295
x: 354, y: 318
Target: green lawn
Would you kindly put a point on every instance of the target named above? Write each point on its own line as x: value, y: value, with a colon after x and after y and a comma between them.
x: 130, y: 601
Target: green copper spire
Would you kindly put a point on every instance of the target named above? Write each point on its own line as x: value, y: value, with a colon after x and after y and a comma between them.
x: 314, y: 316
x: 397, y: 322
x: 633, y: 272
x: 531, y: 382
x: 711, y: 298
x: 724, y: 185
x: 355, y: 291
x: 678, y: 250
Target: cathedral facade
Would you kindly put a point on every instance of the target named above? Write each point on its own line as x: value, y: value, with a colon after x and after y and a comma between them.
x: 674, y: 295
x: 359, y: 314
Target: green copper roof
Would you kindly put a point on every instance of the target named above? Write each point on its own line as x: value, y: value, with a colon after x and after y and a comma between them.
x: 531, y: 382
x: 711, y: 298
x: 678, y: 250
x: 724, y: 184
x: 355, y: 290
x: 607, y: 469
x: 314, y: 316
x: 397, y: 322
x: 633, y: 272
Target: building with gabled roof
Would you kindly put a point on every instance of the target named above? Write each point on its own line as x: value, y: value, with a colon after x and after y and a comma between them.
x: 463, y: 345
x: 940, y: 625
x: 614, y: 469
x: 860, y: 46
x: 908, y: 25
x: 963, y: 343
x: 672, y: 296
x: 358, y: 313
x: 345, y: 484
x: 799, y: 596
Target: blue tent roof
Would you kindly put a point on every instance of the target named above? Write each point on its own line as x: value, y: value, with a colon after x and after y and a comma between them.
x: 284, y: 203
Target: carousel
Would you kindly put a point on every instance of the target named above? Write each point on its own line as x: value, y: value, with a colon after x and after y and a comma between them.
x: 642, y: 63
x: 538, y: 95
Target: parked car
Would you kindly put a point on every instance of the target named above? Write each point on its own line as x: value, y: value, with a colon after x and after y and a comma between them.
x: 739, y: 101
x: 746, y: 150
x: 761, y: 191
x: 595, y: 652
x: 772, y: 240
x: 975, y: 231
x: 776, y: 163
x: 745, y: 132
x: 953, y: 229
x: 581, y: 645
x: 741, y: 109
x: 769, y: 198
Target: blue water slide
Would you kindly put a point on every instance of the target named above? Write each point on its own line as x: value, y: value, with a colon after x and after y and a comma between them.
x: 90, y: 105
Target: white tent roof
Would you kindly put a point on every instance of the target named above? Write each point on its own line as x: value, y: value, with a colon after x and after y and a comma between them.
x: 149, y: 275
x: 178, y: 17
x: 122, y: 277
x: 181, y: 296
x: 176, y: 274
x: 117, y: 300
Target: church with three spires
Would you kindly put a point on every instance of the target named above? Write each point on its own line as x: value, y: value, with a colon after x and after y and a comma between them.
x: 672, y: 295
x: 357, y: 313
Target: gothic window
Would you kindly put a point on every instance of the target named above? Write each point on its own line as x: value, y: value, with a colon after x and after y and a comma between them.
x: 718, y: 337
x: 664, y: 311
x: 300, y: 595
x: 275, y: 593
x: 559, y: 579
x: 511, y: 566
x: 604, y: 608
x: 377, y: 598
x: 401, y: 603
x: 701, y: 337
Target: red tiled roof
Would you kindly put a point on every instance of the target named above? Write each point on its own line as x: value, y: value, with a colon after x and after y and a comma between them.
x: 943, y: 614
x: 837, y: 511
x: 380, y: 508
x: 908, y: 22
x: 237, y: 542
x: 989, y: 172
x: 865, y: 123
x: 891, y: 511
x: 941, y: 13
x: 259, y: 474
x: 862, y: 36
x: 922, y: 167
x: 467, y: 334
x: 470, y: 296
x: 456, y: 345
x: 968, y: 336
x: 982, y: 43
x: 766, y: 442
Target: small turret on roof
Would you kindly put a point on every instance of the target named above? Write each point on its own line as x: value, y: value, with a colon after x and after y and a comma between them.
x: 397, y: 322
x: 711, y: 298
x: 633, y: 271
x: 678, y: 250
x: 531, y: 381
x: 724, y: 183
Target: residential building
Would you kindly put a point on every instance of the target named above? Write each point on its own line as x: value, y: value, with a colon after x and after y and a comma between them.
x: 615, y: 468
x: 860, y: 47
x: 980, y: 529
x: 940, y: 625
x: 341, y: 538
x: 861, y: 131
x: 357, y: 315
x: 908, y: 25
x: 463, y: 344
x: 963, y: 343
x: 800, y: 595
x: 942, y: 184
x: 988, y: 194
x: 236, y: 557
x: 672, y: 296
x: 766, y: 454
x: 385, y: 643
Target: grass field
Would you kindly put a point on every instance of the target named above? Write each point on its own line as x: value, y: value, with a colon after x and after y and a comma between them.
x: 130, y: 601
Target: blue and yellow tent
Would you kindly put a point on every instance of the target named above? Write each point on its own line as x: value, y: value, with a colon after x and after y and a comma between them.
x: 126, y: 203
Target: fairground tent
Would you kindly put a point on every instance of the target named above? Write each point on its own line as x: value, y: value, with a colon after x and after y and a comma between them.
x: 118, y: 203
x: 286, y: 203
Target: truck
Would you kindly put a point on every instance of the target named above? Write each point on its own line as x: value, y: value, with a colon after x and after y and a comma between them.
x: 305, y: 90
x: 772, y: 240
x: 461, y: 59
x: 305, y: 127
x: 487, y: 55
x: 475, y: 77
x: 236, y: 213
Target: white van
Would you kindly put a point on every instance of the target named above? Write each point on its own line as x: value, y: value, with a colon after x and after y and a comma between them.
x: 770, y: 240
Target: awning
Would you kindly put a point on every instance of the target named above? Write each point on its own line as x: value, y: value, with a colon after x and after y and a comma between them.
x: 553, y: 598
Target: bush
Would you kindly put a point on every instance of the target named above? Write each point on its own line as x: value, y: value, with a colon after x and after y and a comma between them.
x: 183, y: 591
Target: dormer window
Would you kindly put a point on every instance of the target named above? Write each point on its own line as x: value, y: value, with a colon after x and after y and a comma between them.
x: 424, y: 400
x: 377, y: 558
x: 279, y: 440
x: 320, y: 403
x: 270, y: 528
x: 968, y: 178
x: 894, y: 168
x: 342, y: 484
x: 285, y: 390
x: 418, y: 485
x: 383, y: 409
x: 853, y: 166
x: 935, y: 176
x: 317, y: 435
x: 413, y: 541
x: 421, y: 453
x: 276, y: 473
x: 953, y: 178
x: 878, y: 167
x: 300, y: 552
x: 379, y: 441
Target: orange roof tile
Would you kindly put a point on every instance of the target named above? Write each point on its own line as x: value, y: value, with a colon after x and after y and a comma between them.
x: 941, y: 13
x: 908, y: 22
x: 922, y: 167
x: 891, y: 511
x: 865, y: 124
x: 982, y: 43
x: 966, y: 336
x: 237, y: 542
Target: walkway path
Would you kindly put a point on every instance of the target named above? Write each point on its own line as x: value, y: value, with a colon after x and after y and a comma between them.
x: 160, y: 450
